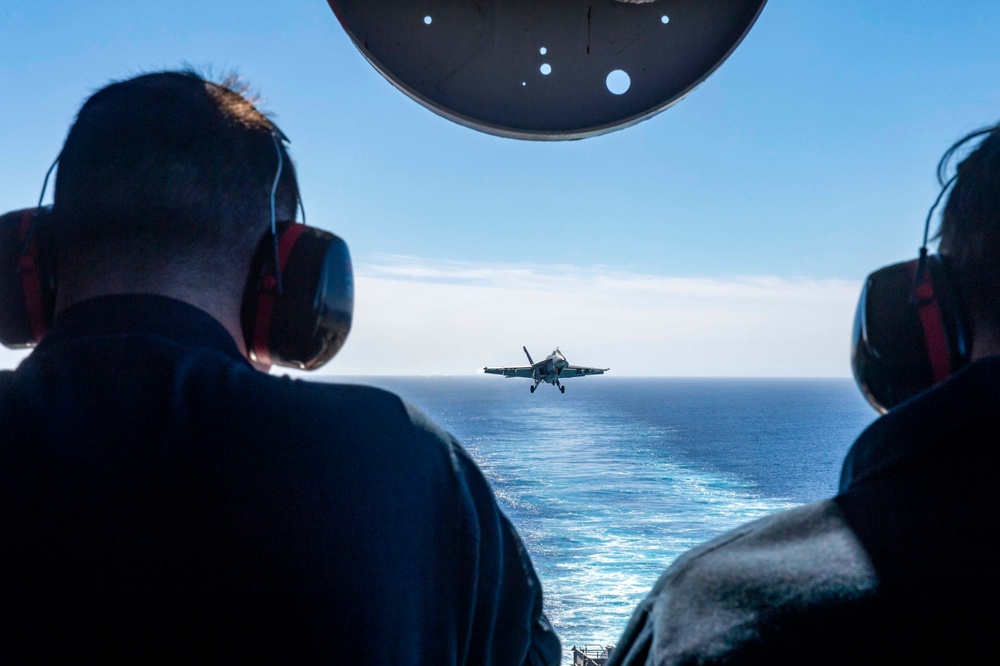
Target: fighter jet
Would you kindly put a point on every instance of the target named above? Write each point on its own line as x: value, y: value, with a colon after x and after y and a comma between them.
x: 551, y: 370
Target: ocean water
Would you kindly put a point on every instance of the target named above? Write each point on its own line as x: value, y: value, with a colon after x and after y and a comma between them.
x: 608, y: 483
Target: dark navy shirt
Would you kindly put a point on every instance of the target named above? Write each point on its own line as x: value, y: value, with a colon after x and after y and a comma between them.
x: 159, y: 498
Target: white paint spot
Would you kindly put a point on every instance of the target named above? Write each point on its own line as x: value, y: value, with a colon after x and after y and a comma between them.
x: 543, y: 50
x: 428, y: 20
x: 664, y: 19
x: 545, y: 69
x: 618, y: 82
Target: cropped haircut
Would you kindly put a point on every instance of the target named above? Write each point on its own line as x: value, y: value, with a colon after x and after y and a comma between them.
x: 970, y: 226
x: 168, y: 169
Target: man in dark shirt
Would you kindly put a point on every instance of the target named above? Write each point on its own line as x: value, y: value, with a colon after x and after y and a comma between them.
x: 160, y: 498
x: 901, y: 566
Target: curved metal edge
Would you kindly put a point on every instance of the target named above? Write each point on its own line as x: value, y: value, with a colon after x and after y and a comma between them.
x: 526, y: 135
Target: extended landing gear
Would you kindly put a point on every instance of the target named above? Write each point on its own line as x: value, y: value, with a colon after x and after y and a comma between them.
x: 562, y: 389
x: 532, y: 389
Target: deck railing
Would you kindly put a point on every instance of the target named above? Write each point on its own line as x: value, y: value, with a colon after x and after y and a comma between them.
x: 591, y: 655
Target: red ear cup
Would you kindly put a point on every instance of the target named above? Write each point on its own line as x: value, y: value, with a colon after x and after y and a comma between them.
x: 907, y: 336
x: 305, y: 325
x: 27, y: 278
x: 259, y: 335
x: 937, y: 344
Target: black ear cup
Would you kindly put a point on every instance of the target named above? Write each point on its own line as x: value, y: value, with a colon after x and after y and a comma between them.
x: 908, y: 334
x: 27, y: 278
x: 305, y: 325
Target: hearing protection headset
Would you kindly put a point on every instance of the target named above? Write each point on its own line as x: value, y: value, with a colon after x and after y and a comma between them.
x: 909, y: 330
x: 909, y: 333
x: 297, y: 306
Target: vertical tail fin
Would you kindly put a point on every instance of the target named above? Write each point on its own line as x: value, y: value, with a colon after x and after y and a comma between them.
x: 528, y: 355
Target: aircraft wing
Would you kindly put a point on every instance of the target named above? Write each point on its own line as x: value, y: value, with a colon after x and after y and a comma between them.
x: 580, y: 371
x: 511, y: 371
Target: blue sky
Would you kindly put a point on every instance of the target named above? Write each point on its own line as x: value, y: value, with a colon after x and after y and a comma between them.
x: 806, y: 161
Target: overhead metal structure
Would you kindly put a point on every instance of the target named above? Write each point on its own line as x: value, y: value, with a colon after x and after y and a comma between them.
x: 546, y: 69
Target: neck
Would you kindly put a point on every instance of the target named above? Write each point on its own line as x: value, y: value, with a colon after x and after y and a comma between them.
x: 222, y: 306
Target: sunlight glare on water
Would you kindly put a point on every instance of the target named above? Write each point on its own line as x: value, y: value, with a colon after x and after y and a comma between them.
x: 600, y: 510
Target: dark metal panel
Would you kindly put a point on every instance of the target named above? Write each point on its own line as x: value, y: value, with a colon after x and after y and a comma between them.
x: 539, y: 69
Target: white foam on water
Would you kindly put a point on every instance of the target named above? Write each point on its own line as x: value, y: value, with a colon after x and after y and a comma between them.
x: 603, y: 508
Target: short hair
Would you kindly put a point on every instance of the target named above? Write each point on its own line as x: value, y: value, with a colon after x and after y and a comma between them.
x: 168, y: 167
x: 970, y: 226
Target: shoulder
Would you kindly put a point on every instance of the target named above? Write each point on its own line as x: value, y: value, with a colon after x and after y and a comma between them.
x: 328, y: 405
x: 334, y: 406
x: 378, y: 425
x: 722, y: 596
x: 962, y: 409
x: 792, y: 552
x: 362, y: 422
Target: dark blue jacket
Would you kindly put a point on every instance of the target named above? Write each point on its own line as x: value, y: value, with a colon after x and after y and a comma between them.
x: 159, y: 498
x: 901, y: 567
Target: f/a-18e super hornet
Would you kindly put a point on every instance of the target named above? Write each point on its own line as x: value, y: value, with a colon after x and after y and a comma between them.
x: 551, y: 370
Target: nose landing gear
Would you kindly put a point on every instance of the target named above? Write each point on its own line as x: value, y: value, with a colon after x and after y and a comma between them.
x: 532, y: 389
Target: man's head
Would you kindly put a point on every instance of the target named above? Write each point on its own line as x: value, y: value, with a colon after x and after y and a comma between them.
x: 970, y: 236
x: 164, y: 186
